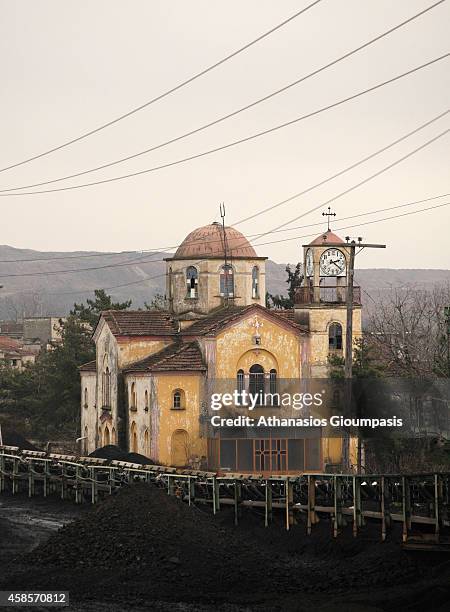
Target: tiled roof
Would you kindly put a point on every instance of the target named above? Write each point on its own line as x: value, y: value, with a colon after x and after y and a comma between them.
x: 140, y: 322
x: 327, y: 237
x: 216, y: 321
x: 90, y: 366
x: 176, y: 357
x: 288, y: 315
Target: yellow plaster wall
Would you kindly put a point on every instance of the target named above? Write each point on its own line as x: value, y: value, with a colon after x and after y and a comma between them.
x: 134, y: 349
x: 188, y: 419
x: 280, y: 348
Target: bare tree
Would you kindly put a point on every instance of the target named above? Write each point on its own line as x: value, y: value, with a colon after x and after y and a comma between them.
x: 409, y: 329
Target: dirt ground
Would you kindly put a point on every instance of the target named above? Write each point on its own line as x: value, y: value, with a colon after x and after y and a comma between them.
x: 144, y: 550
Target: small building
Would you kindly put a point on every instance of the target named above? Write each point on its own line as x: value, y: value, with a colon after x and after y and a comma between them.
x: 46, y: 330
x: 16, y: 353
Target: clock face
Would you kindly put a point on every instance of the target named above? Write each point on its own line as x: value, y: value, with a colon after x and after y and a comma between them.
x: 332, y: 263
x: 309, y: 263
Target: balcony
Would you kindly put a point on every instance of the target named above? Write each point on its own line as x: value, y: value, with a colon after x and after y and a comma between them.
x: 326, y: 295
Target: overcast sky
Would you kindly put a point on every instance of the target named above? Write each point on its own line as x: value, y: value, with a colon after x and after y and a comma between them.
x: 70, y: 66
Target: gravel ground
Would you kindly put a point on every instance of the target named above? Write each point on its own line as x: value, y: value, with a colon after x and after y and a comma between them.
x: 142, y: 549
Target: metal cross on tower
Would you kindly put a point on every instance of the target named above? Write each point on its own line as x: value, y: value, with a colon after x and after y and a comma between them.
x: 328, y: 215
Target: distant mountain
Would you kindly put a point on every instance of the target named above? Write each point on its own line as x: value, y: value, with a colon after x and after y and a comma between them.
x: 137, y: 277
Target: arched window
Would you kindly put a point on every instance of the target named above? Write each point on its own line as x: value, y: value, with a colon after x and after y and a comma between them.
x: 133, y: 438
x: 240, y: 383
x: 133, y: 399
x: 170, y: 283
x: 86, y: 398
x: 106, y: 388
x: 335, y: 337
x: 273, y: 387
x: 113, y: 436
x: 146, y: 401
x: 146, y: 443
x: 106, y: 437
x: 255, y: 282
x: 192, y: 282
x: 178, y: 400
x: 86, y: 440
x: 226, y: 281
x: 256, y: 383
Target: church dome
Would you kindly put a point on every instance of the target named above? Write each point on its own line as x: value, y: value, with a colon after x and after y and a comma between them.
x: 208, y: 241
x: 327, y: 237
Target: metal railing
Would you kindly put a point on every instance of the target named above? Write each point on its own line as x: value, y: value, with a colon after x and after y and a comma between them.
x: 326, y: 295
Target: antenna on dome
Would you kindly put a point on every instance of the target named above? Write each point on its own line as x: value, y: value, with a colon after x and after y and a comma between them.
x: 225, y: 252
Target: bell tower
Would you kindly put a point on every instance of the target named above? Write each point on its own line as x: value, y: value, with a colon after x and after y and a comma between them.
x: 321, y: 302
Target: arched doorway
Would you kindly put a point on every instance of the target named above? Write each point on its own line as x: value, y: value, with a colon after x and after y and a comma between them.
x: 180, y: 448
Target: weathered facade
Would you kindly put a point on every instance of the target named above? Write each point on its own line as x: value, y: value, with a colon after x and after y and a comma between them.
x: 148, y: 388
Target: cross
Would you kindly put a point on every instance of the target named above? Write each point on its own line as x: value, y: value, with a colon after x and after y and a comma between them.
x: 256, y: 324
x: 328, y: 215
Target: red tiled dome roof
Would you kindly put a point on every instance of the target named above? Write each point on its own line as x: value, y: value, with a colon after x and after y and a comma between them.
x: 208, y: 241
x: 326, y: 238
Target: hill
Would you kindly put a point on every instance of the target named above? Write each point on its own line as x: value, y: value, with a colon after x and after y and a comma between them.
x: 137, y: 276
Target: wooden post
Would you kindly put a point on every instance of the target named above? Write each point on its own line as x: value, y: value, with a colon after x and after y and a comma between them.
x: 385, y: 508
x: 357, y: 515
x: 337, y: 485
x: 237, y: 500
x: 2, y: 473
x: 311, y: 503
x: 406, y: 507
x: 268, y: 504
x: 289, y: 495
x: 437, y: 504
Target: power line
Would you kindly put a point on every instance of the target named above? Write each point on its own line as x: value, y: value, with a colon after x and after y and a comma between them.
x: 341, y: 172
x: 142, y: 261
x: 236, y: 142
x: 291, y: 198
x: 166, y: 93
x: 266, y: 243
x: 167, y: 248
x: 363, y: 182
x: 232, y: 114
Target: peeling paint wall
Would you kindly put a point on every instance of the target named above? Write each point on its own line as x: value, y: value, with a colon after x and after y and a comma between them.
x: 131, y: 349
x: 187, y: 419
x: 88, y: 410
x: 209, y: 284
x: 280, y: 348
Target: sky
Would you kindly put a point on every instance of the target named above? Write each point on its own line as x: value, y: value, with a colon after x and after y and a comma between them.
x: 68, y: 67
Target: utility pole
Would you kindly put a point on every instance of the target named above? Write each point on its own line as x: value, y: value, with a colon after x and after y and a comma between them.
x: 348, y: 368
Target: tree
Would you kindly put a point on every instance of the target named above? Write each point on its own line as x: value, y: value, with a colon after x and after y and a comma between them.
x: 294, y: 281
x: 158, y: 302
x: 366, y: 363
x: 91, y: 311
x: 45, y: 396
x: 410, y: 330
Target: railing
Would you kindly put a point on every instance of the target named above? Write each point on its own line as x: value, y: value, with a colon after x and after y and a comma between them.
x: 326, y: 295
x: 348, y: 500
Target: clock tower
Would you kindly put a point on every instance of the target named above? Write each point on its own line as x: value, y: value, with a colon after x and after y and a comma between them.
x: 321, y: 303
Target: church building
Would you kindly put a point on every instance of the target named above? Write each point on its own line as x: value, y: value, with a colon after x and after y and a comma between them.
x: 148, y: 388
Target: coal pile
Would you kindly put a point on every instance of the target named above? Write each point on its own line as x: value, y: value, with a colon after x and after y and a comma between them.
x: 156, y: 542
x: 14, y: 438
x: 110, y: 451
x: 114, y: 453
